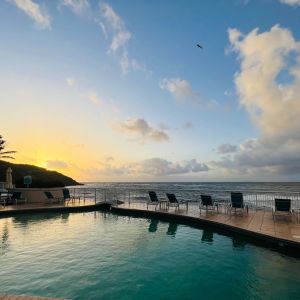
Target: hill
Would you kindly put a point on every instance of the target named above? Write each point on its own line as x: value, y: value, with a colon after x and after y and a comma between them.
x: 41, y: 178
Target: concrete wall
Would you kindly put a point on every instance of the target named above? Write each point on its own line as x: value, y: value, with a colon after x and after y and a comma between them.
x: 37, y: 195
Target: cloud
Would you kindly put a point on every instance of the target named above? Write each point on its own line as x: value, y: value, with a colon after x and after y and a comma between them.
x: 227, y: 148
x: 291, y: 2
x: 273, y: 106
x: 34, y: 11
x: 272, y: 103
x: 56, y: 164
x: 140, y: 128
x: 162, y: 167
x: 182, y: 91
x: 120, y: 35
x: 113, y: 24
x: 128, y: 64
x: 78, y: 6
x: 179, y: 88
x: 93, y: 97
x: 70, y: 81
x: 103, y: 28
x: 152, y: 167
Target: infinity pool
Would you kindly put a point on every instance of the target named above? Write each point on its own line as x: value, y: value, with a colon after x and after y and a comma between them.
x: 104, y: 256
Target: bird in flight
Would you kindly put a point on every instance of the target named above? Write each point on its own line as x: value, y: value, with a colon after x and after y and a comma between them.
x: 199, y: 46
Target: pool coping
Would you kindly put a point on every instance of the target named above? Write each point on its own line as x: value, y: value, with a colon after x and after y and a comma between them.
x: 77, y: 208
x: 194, y: 221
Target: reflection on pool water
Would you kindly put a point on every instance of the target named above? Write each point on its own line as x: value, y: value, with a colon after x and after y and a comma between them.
x: 104, y: 256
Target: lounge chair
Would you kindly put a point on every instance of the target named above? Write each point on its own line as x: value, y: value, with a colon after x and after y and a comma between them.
x: 16, y: 198
x: 52, y: 199
x: 237, y: 203
x: 208, y: 204
x: 67, y: 196
x: 282, y: 207
x: 2, y: 200
x: 173, y: 201
x: 153, y: 200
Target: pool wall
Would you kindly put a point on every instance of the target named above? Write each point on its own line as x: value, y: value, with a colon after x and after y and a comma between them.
x: 266, y: 240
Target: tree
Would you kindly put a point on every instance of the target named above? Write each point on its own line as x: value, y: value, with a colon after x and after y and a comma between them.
x: 5, y: 154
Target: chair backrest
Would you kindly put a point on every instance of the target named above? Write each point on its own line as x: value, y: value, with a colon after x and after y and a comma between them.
x: 66, y: 194
x: 153, y: 196
x: 283, y: 204
x: 172, y: 198
x: 49, y: 195
x: 16, y: 195
x: 237, y: 200
x: 206, y: 200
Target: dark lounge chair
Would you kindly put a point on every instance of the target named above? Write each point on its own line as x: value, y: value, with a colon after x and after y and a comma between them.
x: 2, y: 200
x: 16, y: 198
x: 67, y: 196
x: 207, y: 203
x: 153, y: 200
x: 282, y: 207
x: 52, y: 199
x: 173, y: 201
x: 237, y: 203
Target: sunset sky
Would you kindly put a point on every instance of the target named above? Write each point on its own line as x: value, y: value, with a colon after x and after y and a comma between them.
x: 119, y: 91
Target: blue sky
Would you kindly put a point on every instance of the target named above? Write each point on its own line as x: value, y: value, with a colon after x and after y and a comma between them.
x: 119, y: 91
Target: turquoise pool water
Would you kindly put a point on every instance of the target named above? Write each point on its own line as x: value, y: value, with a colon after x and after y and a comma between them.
x: 104, y: 256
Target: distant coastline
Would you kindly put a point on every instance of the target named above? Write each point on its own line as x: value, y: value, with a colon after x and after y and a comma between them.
x: 41, y: 177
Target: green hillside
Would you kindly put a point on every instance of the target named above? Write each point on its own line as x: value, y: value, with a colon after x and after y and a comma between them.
x: 40, y: 176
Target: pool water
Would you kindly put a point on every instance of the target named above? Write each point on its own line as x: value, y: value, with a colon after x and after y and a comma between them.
x: 104, y: 256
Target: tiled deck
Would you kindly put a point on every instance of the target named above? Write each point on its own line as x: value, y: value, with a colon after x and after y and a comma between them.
x: 39, y: 205
x: 258, y: 222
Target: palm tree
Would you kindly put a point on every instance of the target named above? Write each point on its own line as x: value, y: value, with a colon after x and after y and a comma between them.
x: 5, y: 154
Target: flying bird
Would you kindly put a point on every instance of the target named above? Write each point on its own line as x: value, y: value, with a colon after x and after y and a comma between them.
x: 199, y: 46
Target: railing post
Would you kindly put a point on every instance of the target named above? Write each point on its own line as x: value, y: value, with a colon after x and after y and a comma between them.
x: 95, y: 195
x: 255, y: 201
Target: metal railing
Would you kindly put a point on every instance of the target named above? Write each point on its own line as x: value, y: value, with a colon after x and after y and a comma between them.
x: 255, y: 199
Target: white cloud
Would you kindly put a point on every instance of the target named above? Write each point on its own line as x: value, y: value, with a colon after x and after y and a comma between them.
x: 120, y: 38
x: 103, y: 28
x: 93, y: 97
x: 70, y: 81
x: 273, y: 105
x: 142, y: 130
x: 182, y: 91
x: 120, y: 35
x: 56, y: 164
x: 34, y: 11
x: 78, y: 6
x: 291, y: 2
x: 179, y: 88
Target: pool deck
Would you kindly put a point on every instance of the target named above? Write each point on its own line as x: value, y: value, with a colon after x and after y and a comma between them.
x: 75, y: 206
x: 284, y: 231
